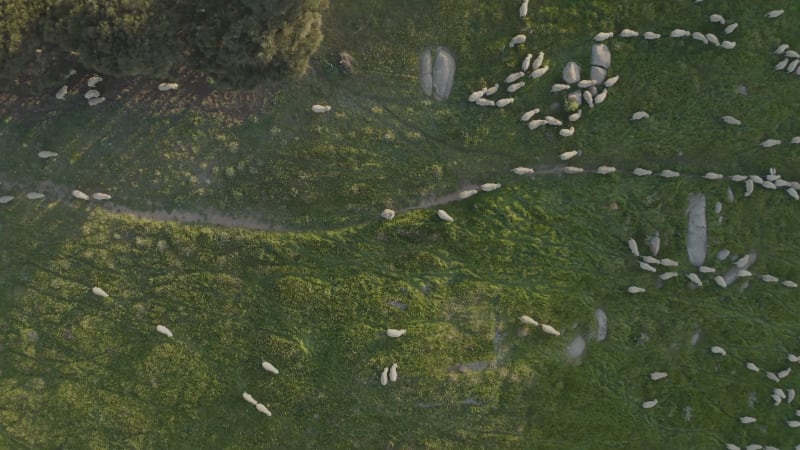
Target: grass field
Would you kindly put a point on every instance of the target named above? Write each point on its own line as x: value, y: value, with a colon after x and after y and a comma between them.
x: 78, y: 371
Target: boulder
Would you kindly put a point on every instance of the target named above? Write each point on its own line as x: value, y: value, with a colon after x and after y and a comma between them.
x: 426, y: 72
x: 602, y: 325
x: 601, y: 56
x: 697, y: 237
x: 571, y: 73
x: 598, y: 74
x: 444, y: 67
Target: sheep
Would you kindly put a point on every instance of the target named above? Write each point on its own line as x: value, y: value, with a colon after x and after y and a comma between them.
x: 394, y: 333
x: 101, y: 196
x: 781, y: 49
x: 537, y: 73
x: 92, y: 82
x: 626, y: 33
x: 558, y: 87
x: 61, y: 92
x: 79, y: 195
x: 473, y: 97
x: 566, y: 132
x: 515, y: 86
x: 717, y: 350
x: 716, y: 18
x: 387, y: 214
x: 528, y: 320
x: 639, y: 172
x: 385, y: 376
x: 712, y: 39
x: 784, y: 373
x: 773, y: 377
x: 789, y: 283
x: 99, y: 292
x: 793, y: 423
x: 694, y: 279
x: 571, y: 170
x: 269, y: 367
x: 730, y: 446
x: 633, y: 246
x: 790, y: 394
x: 728, y: 45
x: 45, y: 154
x: 756, y: 179
x: 742, y: 262
x: 549, y: 330
x: 720, y: 281
x: 526, y: 63
x: 706, y: 269
x: 646, y: 267
x: 602, y: 36
x: 773, y: 14
x: 649, y: 404
x: 636, y: 290
x: 92, y: 93
x: 600, y: 97
x: 777, y: 399
x: 666, y: 173
x: 393, y: 373
x: 605, y: 170
x: 791, y: 54
x: 748, y: 187
x: 731, y: 28
x: 522, y: 171
x: 249, y: 398
x: 611, y: 81
x: 666, y: 262
x: 639, y: 115
x: 536, y: 123
x: 513, y: 77
x: 34, y: 195
x: 319, y: 109
x: 523, y: 9
x: 742, y: 273
x: 649, y: 35
x: 96, y: 101
x: 795, y: 140
x: 679, y: 33
x: 585, y: 84
x: 752, y: 366
x: 651, y: 260
x: 484, y: 102
x: 492, y: 90
x: 782, y: 65
x: 164, y: 330
x: 767, y: 278
x: 668, y: 275
x: 568, y: 155
x: 263, y: 409
x: 768, y: 185
x: 793, y: 65
x: 698, y: 36
x: 529, y: 115
x: 587, y: 97
x: 537, y: 62
x: 730, y: 120
x: 655, y: 376
x: 516, y: 40
x: 444, y: 216
x: 467, y: 194
x: 576, y: 116
x: 713, y: 176
x: 5, y: 199
x: 553, y: 121
x: 489, y: 187
x: 503, y: 102
x: 737, y: 178
x: 792, y: 358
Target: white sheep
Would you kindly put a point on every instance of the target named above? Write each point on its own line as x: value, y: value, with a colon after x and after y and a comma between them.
x: 605, y: 170
x: 587, y: 97
x: 636, y: 290
x: 713, y: 176
x: 96, y: 101
x: 742, y: 273
x: 649, y: 404
x: 768, y: 185
x: 795, y: 140
x: 770, y: 143
x: 536, y: 123
x: 585, y: 84
x: 576, y: 116
x: 528, y: 320
x: 784, y: 373
x: 101, y: 196
x: 773, y: 377
x: 743, y: 261
x: 515, y: 86
x: 782, y: 65
x: 769, y: 278
x: 728, y: 45
x: 522, y: 171
x: 747, y: 419
x: 549, y: 330
x: 34, y: 195
x: 666, y: 262
x: 711, y: 38
x: 553, y: 121
x: 639, y: 172
x: 717, y: 350
x: 730, y: 120
x: 492, y: 90
x: 80, y: 195
x: 99, y: 292
x: 526, y: 63
x: 568, y: 155
x: 394, y: 333
x: 5, y: 199
x: 603, y: 35
x: 572, y: 170
x: 92, y: 82
x: 649, y: 35
x: 793, y: 65
x: 269, y: 367
x: 91, y: 93
x: 627, y: 33
x: 61, y: 92
x: 467, y: 194
x: 558, y: 87
x: 611, y: 81
x: 484, y: 102
x: 731, y: 28
x: 385, y: 376
x: 716, y: 18
x: 706, y: 269
x: 489, y: 187
x: 698, y: 36
x: 444, y: 216
x: 503, y: 102
x: 655, y: 376
x: 730, y: 446
x: 600, y: 97
x: 792, y: 358
x: 263, y: 409
x: 651, y: 260
x: 748, y: 187
x: 737, y: 178
x: 387, y: 214
x: 164, y: 330
x: 789, y: 283
x: 529, y: 115
x: 249, y: 398
x: 720, y: 281
x: 537, y: 62
x: 523, y: 9
x: 791, y: 54
x: 516, y: 40
x: 393, y: 373
x: 474, y: 96
x: 668, y: 275
x: 647, y: 267
x: 45, y: 154
x: 666, y: 173
x: 639, y: 115
x: 633, y: 246
x: 567, y: 132
x: 756, y: 179
x: 514, y: 77
x: 679, y: 33
x: 167, y: 86
x: 773, y: 14
x: 694, y: 279
x: 537, y: 73
x: 793, y: 423
x: 319, y: 109
x: 790, y: 394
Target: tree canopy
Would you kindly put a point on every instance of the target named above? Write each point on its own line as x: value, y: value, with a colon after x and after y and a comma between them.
x: 235, y: 43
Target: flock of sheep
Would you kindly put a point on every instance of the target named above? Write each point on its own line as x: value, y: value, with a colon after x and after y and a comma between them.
x: 93, y: 95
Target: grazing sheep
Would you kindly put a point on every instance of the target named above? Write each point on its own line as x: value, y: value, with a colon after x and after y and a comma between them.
x: 611, y: 81
x: 679, y: 33
x: 34, y: 195
x: 473, y: 97
x: 522, y: 171
x: 96, y: 101
x: 730, y: 120
x: 576, y: 116
x: 666, y: 262
x: 387, y: 214
x: 756, y: 179
x: 523, y: 9
x: 385, y: 376
x: 666, y: 173
x: 782, y: 65
x: 99, y: 292
x: 605, y: 170
x: 394, y: 333
x: 164, y: 330
x: 647, y: 267
x: 651, y: 260
x: 5, y: 199
x: 516, y: 40
x: 528, y: 320
x: 717, y: 350
x: 713, y: 176
x: 514, y: 77
x: 600, y: 97
x: 587, y: 97
x: 698, y: 36
x: 320, y: 108
x: 167, y: 87
x: 269, y: 367
x: 92, y: 82
x: 393, y: 373
x: 526, y: 63
x: 602, y: 36
x: 773, y: 14
x: 790, y: 394
x: 101, y: 196
x: 639, y: 172
x: 567, y: 132
x: 795, y: 140
x: 492, y: 90
x: 444, y: 216
x: 768, y: 185
x: 773, y: 377
x: 249, y: 398
x: 706, y: 269
x: 777, y: 399
x: 549, y: 330
x: 753, y: 367
x: 568, y: 155
x: 694, y: 279
x: 489, y: 187
x: 769, y: 278
x: 748, y: 187
x: 793, y: 65
x: 571, y: 170
x: 784, y: 373
x: 791, y: 54
x: 537, y: 62
x: 728, y: 45
x: 503, y: 102
x: 742, y: 273
x: 61, y: 92
x: 484, y: 102
x: 44, y: 154
x: 636, y: 290
x: 649, y: 35
x: 789, y: 283
x: 79, y: 195
x: 711, y: 38
x: 553, y: 121
x: 584, y: 84
x: 731, y: 28
x: 716, y: 18
x: 558, y: 87
x: 515, y: 86
x: 536, y: 123
x: 655, y: 376
x: 529, y: 115
x: 633, y: 246
x: 730, y: 446
x: 639, y: 115
x: 737, y: 178
x: 720, y: 281
x: 626, y: 33
x: 537, y: 73
x: 649, y: 404
x: 743, y: 261
x: 263, y: 409
x: 793, y: 423
x: 467, y: 194
x: 667, y: 275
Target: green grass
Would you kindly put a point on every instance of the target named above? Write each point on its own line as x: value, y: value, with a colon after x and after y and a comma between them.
x: 82, y: 372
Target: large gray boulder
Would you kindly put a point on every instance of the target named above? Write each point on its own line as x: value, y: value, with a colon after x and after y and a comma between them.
x: 602, y: 324
x: 576, y: 348
x: 426, y: 72
x: 601, y: 56
x: 572, y: 73
x: 697, y: 237
x: 598, y: 74
x: 444, y: 68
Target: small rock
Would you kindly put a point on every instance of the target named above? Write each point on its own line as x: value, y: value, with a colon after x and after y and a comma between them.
x: 601, y: 56
x: 576, y: 348
x: 722, y: 254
